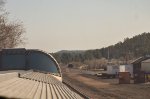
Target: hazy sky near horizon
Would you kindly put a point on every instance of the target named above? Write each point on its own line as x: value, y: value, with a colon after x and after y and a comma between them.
x: 54, y: 25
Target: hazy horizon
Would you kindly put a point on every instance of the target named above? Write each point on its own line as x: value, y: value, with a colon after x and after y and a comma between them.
x: 79, y: 24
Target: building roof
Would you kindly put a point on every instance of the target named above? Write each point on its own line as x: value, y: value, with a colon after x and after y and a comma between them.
x: 146, y: 61
x: 140, y: 59
x: 34, y: 85
x: 24, y: 59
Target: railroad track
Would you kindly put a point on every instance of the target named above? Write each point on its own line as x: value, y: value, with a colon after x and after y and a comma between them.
x: 75, y: 89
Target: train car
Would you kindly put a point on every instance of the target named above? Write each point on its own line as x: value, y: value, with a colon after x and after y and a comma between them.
x: 33, y: 74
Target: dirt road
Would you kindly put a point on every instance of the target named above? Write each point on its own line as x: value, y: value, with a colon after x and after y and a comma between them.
x: 97, y: 88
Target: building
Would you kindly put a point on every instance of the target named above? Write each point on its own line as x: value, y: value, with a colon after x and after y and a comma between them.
x: 139, y: 69
x: 126, y: 68
x: 145, y: 66
x: 137, y: 64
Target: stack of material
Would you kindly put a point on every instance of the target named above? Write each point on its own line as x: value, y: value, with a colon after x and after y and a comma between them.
x: 34, y: 85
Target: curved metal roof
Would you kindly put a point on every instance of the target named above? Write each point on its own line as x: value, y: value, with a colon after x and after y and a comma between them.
x: 35, y: 85
x: 25, y: 52
x: 49, y: 55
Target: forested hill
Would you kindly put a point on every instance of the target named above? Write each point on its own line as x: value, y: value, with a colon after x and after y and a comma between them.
x: 130, y: 48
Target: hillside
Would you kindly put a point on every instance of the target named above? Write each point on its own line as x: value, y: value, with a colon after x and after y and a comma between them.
x: 130, y: 48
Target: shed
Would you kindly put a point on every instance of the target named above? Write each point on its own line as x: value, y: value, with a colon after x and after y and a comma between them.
x: 145, y: 66
x: 139, y: 70
x: 126, y: 68
x: 137, y: 64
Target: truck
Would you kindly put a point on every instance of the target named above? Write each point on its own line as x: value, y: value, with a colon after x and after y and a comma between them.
x: 111, y: 72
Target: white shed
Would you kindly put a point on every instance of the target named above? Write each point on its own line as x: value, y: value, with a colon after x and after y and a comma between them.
x: 126, y: 68
x: 145, y: 66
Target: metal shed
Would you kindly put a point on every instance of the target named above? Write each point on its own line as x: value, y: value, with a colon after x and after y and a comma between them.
x: 126, y: 68
x: 138, y: 70
x: 137, y: 64
x: 145, y: 66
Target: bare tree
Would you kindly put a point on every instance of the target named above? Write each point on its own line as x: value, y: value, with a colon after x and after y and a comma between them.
x: 11, y: 33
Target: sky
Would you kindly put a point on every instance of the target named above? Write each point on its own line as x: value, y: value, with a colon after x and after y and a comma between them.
x: 54, y: 25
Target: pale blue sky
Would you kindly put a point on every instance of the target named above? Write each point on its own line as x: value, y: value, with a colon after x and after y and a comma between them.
x: 54, y: 25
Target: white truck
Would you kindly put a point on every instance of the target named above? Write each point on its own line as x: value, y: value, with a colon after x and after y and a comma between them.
x: 111, y: 72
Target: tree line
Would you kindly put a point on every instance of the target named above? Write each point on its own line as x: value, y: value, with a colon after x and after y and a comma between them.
x: 129, y: 49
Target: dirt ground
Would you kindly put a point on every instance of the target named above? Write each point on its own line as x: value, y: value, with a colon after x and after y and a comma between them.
x: 97, y: 88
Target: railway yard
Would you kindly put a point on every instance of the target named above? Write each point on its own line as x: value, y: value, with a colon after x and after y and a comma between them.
x: 97, y: 88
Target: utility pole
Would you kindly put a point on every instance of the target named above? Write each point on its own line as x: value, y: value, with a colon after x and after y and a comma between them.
x: 108, y: 55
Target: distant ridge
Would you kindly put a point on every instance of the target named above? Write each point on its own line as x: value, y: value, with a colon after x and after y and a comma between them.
x: 130, y: 48
x: 71, y: 51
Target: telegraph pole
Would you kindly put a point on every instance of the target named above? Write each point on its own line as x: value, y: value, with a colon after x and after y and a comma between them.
x: 108, y: 55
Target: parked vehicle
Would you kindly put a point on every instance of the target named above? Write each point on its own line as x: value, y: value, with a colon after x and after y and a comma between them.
x: 111, y: 72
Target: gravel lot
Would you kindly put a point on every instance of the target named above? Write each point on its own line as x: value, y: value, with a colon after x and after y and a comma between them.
x: 98, y: 88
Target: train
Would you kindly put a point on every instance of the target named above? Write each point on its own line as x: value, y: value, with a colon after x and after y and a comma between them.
x: 33, y: 74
